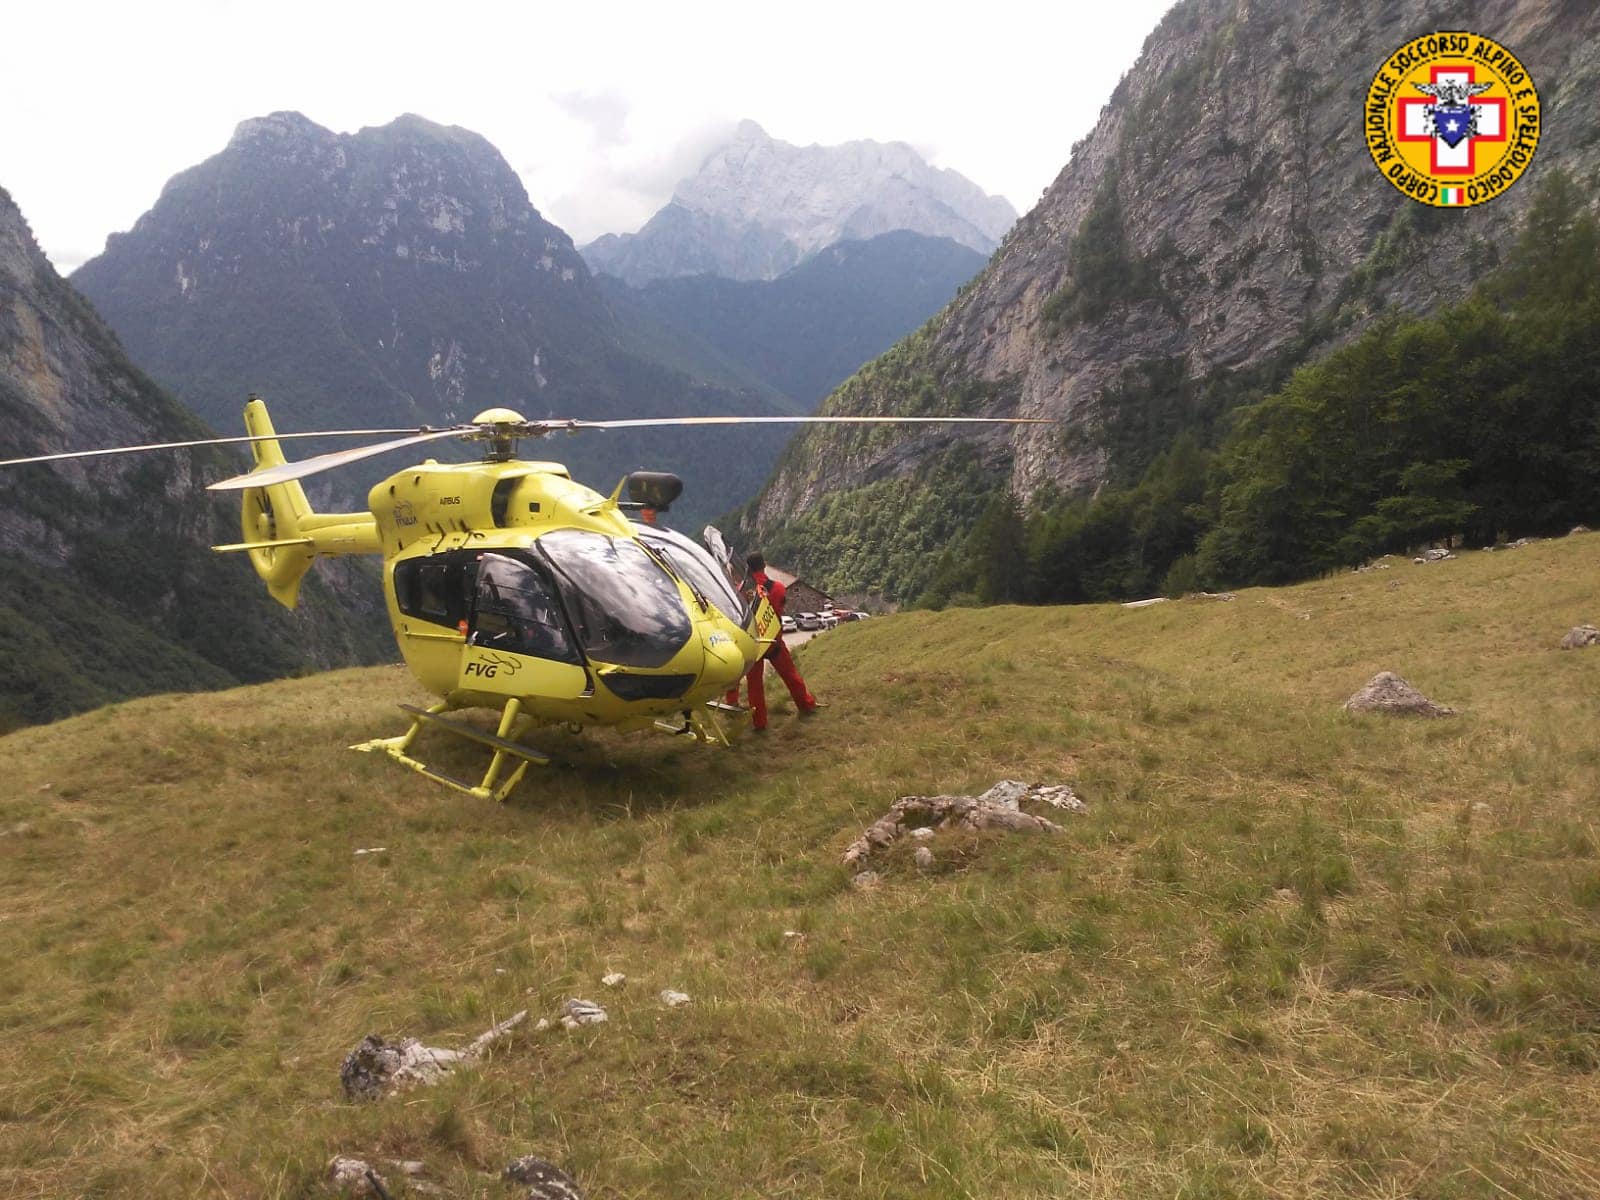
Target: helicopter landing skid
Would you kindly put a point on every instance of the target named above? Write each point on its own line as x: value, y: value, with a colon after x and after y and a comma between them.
x: 504, y: 749
x: 705, y: 727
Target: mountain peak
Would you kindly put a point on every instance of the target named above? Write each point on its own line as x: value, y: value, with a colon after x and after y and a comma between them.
x: 284, y: 126
x: 759, y: 205
x: 421, y: 129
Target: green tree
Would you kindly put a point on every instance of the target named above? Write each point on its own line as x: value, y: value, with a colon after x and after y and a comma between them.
x: 999, y: 551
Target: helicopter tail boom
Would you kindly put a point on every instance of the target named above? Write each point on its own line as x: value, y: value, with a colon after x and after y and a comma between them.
x: 283, y: 535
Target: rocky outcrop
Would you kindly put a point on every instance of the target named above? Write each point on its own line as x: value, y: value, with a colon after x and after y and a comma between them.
x: 1580, y: 637
x: 999, y: 808
x: 758, y: 206
x: 546, y: 1180
x: 1222, y: 222
x: 1386, y: 692
x: 377, y: 1067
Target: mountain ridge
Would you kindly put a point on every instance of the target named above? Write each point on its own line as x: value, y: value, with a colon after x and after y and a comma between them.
x: 758, y: 206
x: 401, y: 276
x: 814, y: 325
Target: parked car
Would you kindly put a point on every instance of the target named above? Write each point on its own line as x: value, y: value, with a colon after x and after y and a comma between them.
x: 788, y: 624
x: 808, y: 620
x: 829, y: 618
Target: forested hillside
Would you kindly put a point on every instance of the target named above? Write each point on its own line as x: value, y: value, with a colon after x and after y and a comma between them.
x: 1478, y: 422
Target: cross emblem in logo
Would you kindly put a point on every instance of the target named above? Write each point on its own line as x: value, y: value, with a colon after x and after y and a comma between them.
x: 1454, y: 129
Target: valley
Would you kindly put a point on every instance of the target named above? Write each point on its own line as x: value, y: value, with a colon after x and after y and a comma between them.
x: 1172, y: 917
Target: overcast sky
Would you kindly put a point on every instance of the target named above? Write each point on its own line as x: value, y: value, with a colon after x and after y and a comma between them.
x: 601, y: 106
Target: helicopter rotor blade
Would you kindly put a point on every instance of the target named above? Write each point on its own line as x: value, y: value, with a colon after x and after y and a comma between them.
x: 535, y: 428
x: 284, y: 472
x: 219, y: 441
x: 644, y: 422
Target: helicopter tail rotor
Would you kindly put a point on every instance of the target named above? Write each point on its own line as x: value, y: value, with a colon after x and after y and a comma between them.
x: 270, y: 517
x: 282, y: 533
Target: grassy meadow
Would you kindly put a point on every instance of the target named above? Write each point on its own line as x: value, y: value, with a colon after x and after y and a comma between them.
x: 1289, y: 952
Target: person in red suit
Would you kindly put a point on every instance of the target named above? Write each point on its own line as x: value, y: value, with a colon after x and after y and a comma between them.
x: 779, y: 655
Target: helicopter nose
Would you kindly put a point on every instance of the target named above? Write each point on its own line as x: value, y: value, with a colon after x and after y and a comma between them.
x: 724, y: 664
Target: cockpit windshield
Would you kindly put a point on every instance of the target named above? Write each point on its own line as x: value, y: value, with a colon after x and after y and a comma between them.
x: 516, y: 609
x: 696, y: 568
x: 627, y: 609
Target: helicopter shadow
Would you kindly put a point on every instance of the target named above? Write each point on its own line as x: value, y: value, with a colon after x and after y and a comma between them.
x: 602, y: 774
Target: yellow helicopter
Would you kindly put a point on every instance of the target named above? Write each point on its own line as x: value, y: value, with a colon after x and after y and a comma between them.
x: 514, y: 588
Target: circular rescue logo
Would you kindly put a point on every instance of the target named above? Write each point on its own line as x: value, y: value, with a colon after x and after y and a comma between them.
x: 1452, y: 119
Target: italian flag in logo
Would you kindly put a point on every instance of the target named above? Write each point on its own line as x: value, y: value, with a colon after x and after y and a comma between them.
x: 1452, y: 196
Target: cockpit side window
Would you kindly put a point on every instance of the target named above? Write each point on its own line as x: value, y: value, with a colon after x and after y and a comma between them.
x: 436, y: 589
x: 516, y: 609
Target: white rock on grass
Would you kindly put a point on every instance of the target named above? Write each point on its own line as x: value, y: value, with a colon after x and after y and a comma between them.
x: 674, y: 999
x: 999, y: 808
x: 614, y: 979
x: 1058, y: 796
x: 353, y: 1177
x: 548, y: 1181
x: 1010, y: 793
x: 1580, y: 636
x: 577, y: 1013
x: 1386, y: 692
x: 377, y: 1067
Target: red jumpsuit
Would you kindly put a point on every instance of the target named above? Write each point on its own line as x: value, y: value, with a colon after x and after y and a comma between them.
x: 781, y: 659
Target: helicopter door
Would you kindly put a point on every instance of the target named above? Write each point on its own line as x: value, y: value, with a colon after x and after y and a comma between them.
x: 518, y: 643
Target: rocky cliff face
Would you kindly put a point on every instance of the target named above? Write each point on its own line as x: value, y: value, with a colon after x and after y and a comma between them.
x: 396, y: 276
x: 108, y: 587
x: 1222, y: 222
x: 758, y: 206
